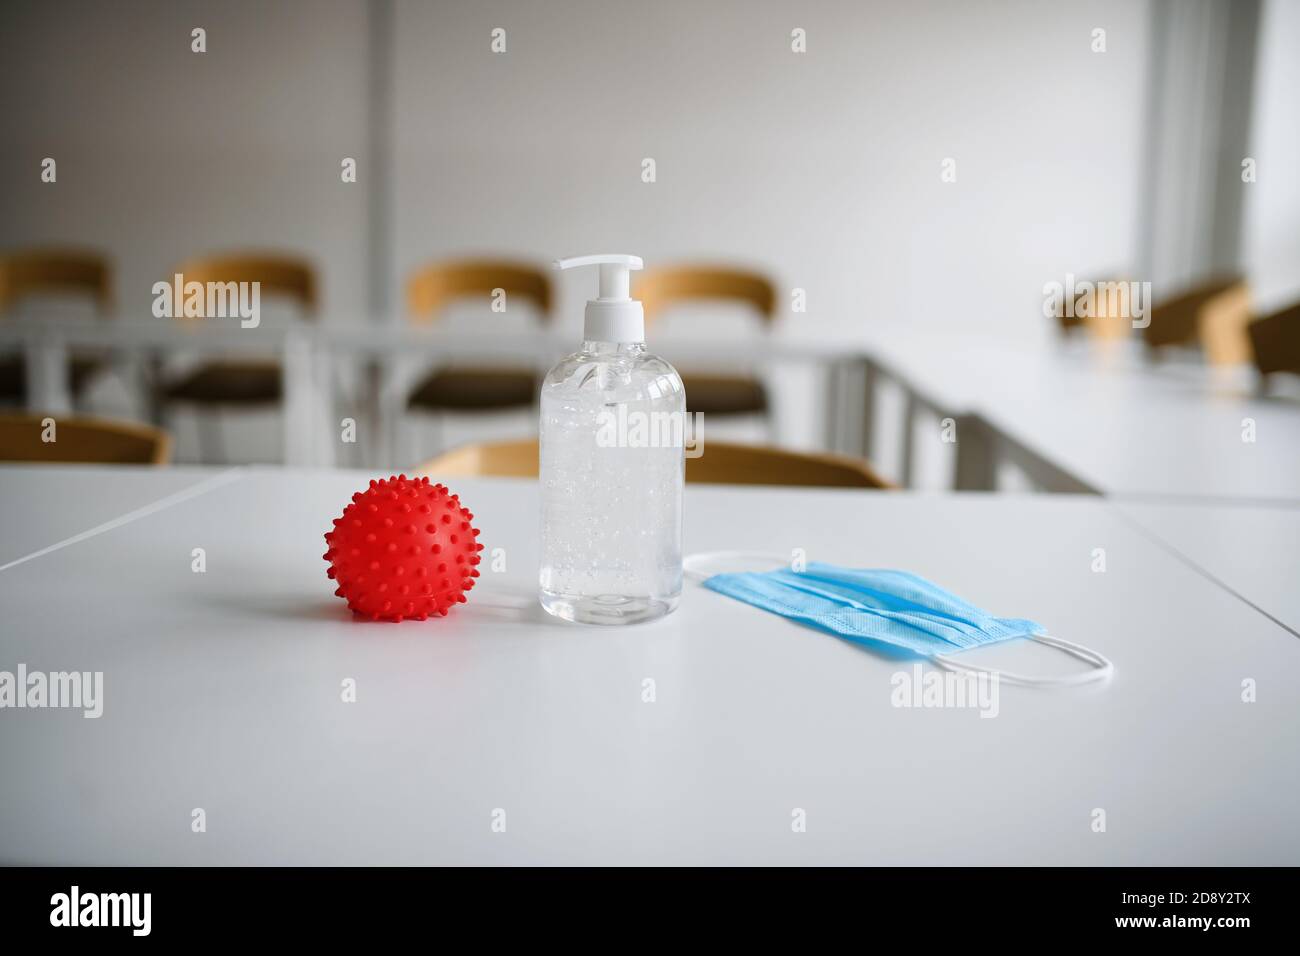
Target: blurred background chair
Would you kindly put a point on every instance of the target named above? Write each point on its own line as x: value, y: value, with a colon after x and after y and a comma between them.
x: 1107, y: 316
x: 1212, y: 315
x: 717, y: 393
x: 49, y: 273
x: 1275, y: 342
x: 236, y: 383
x: 476, y: 388
x: 722, y: 463
x: 81, y: 440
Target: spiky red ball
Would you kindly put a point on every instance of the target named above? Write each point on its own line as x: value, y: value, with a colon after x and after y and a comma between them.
x: 403, y: 549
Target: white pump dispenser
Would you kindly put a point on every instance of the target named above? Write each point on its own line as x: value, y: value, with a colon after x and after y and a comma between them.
x: 611, y: 466
x: 615, y: 316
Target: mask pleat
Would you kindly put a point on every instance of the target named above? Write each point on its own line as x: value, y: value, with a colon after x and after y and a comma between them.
x: 866, y: 605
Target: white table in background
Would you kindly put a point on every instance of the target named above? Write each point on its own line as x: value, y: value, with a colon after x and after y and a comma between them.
x: 398, y: 354
x: 395, y: 353
x: 1110, y: 419
x: 309, y: 431
x: 222, y: 691
x: 1082, y: 420
x: 1252, y: 548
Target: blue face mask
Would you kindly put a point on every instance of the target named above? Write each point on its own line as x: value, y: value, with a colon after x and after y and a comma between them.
x: 894, y: 609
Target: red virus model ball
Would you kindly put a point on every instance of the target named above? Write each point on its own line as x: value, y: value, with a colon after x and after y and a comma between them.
x: 403, y: 549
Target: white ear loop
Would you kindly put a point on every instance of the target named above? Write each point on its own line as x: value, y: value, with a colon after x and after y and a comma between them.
x: 1102, y: 668
x: 691, y: 563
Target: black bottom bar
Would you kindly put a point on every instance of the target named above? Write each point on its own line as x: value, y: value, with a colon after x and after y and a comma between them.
x: 369, y: 905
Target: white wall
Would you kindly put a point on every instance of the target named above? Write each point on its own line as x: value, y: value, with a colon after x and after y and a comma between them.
x: 1272, y: 229
x: 822, y: 168
x: 164, y: 153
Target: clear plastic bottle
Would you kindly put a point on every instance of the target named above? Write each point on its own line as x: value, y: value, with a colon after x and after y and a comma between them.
x: 613, y: 419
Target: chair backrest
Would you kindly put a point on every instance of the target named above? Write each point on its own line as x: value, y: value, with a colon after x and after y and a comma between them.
x: 725, y: 463
x: 659, y: 289
x: 503, y: 459
x: 431, y: 289
x: 1102, y: 308
x: 1213, y: 314
x: 721, y: 463
x: 1275, y: 341
x: 54, y: 271
x: 48, y: 439
x: 283, y: 275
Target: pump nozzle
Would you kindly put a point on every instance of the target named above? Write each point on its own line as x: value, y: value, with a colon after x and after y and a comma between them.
x: 615, y: 282
x: 615, y: 316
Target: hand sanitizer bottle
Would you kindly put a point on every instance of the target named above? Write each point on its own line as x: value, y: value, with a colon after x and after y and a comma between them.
x: 612, y: 465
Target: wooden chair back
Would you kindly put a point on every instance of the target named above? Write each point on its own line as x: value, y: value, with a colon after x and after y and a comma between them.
x: 431, y: 289
x: 721, y: 463
x: 1275, y: 341
x: 1106, y: 313
x: 54, y: 271
x: 659, y: 289
x: 48, y: 438
x: 1213, y: 315
x: 282, y: 275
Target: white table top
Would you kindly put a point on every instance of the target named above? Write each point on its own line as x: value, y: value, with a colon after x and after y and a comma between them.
x: 41, y: 507
x: 1115, y: 420
x: 222, y: 691
x: 1253, y: 549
